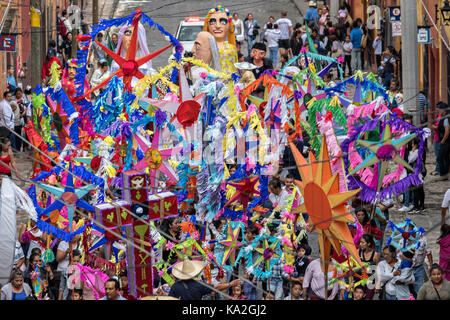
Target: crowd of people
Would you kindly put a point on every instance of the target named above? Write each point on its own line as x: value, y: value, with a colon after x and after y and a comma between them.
x: 283, y: 39
x: 394, y: 274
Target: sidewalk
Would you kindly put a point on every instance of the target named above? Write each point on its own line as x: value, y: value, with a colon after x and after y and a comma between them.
x: 302, y: 6
x: 106, y: 10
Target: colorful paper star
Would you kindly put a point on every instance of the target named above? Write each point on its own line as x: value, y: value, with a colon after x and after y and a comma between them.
x: 383, y: 151
x: 232, y: 244
x: 244, y: 190
x: 69, y: 197
x: 185, y: 110
x: 267, y: 252
x: 156, y: 159
x: 325, y: 205
x: 128, y: 66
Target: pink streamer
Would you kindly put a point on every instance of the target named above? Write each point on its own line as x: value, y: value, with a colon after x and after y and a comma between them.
x: 94, y: 279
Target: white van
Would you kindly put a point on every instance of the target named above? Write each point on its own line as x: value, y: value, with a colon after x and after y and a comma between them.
x: 187, y: 32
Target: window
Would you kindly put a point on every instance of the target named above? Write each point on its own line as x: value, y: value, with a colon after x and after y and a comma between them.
x: 189, y: 33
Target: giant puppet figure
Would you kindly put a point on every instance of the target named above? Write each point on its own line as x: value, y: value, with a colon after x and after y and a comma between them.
x: 123, y: 44
x: 219, y: 23
x: 68, y: 80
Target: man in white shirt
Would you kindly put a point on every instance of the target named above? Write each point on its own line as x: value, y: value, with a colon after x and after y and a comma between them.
x: 238, y: 30
x: 286, y: 28
x: 100, y: 74
x: 6, y: 115
x: 378, y: 46
x: 278, y: 195
x: 445, y: 206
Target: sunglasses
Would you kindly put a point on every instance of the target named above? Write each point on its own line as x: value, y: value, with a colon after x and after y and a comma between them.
x: 222, y: 21
x: 128, y: 32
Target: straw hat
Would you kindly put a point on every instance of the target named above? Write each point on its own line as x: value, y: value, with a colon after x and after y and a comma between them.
x: 245, y: 65
x: 312, y: 4
x: 187, y: 269
x: 159, y: 298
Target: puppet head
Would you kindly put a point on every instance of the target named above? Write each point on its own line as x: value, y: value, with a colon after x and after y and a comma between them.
x: 219, y: 23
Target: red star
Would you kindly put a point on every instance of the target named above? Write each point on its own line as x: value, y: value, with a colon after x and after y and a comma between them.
x: 244, y: 190
x: 129, y: 66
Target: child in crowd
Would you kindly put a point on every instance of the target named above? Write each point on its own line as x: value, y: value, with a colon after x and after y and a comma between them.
x: 296, y: 292
x: 237, y: 293
x: 76, y: 294
x: 301, y: 262
x: 404, y: 276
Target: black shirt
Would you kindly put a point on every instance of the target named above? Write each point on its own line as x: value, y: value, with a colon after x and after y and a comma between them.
x: 189, y: 290
x: 267, y: 64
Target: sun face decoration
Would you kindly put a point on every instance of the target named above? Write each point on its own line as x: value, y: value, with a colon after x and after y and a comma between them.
x: 325, y: 205
x: 153, y: 158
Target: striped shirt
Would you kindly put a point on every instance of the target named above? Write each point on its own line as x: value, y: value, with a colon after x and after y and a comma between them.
x: 423, y: 106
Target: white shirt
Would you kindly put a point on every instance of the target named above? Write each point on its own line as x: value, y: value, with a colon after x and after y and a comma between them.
x: 284, y: 25
x: 304, y: 37
x: 67, y: 24
x: 6, y: 115
x: 349, y: 47
x: 446, y: 201
x: 62, y: 266
x: 377, y: 45
x: 272, y: 36
x: 239, y: 25
x: 280, y: 199
x: 384, y: 275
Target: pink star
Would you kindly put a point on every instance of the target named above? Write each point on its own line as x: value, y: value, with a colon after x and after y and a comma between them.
x: 156, y: 159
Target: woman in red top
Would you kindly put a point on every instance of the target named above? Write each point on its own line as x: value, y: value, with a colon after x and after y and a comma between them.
x: 369, y: 226
x: 7, y: 158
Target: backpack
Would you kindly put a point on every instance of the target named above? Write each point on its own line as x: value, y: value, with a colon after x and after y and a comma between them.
x: 62, y: 27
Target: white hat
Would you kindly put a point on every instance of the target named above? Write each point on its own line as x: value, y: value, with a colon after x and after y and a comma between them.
x: 312, y: 4
x: 245, y: 65
x: 187, y: 269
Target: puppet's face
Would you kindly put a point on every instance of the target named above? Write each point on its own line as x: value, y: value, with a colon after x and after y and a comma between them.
x: 202, y: 49
x: 72, y: 71
x: 218, y: 26
x: 126, y: 41
x: 302, y: 61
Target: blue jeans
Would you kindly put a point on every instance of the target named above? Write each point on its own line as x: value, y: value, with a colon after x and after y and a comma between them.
x: 409, y: 198
x: 273, y: 55
x: 356, y: 59
x: 419, y: 276
x: 12, y: 138
x: 387, y: 80
x: 276, y: 285
x: 436, y: 153
x: 390, y: 297
x: 250, y: 42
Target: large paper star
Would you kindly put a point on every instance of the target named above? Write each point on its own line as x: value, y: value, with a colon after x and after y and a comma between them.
x: 267, y: 252
x: 156, y: 159
x: 325, y: 205
x: 69, y: 196
x: 232, y: 244
x: 383, y: 151
x: 244, y: 190
x: 128, y: 66
x: 186, y: 110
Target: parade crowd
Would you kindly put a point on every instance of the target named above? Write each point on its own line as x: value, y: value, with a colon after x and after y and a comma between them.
x: 394, y: 274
